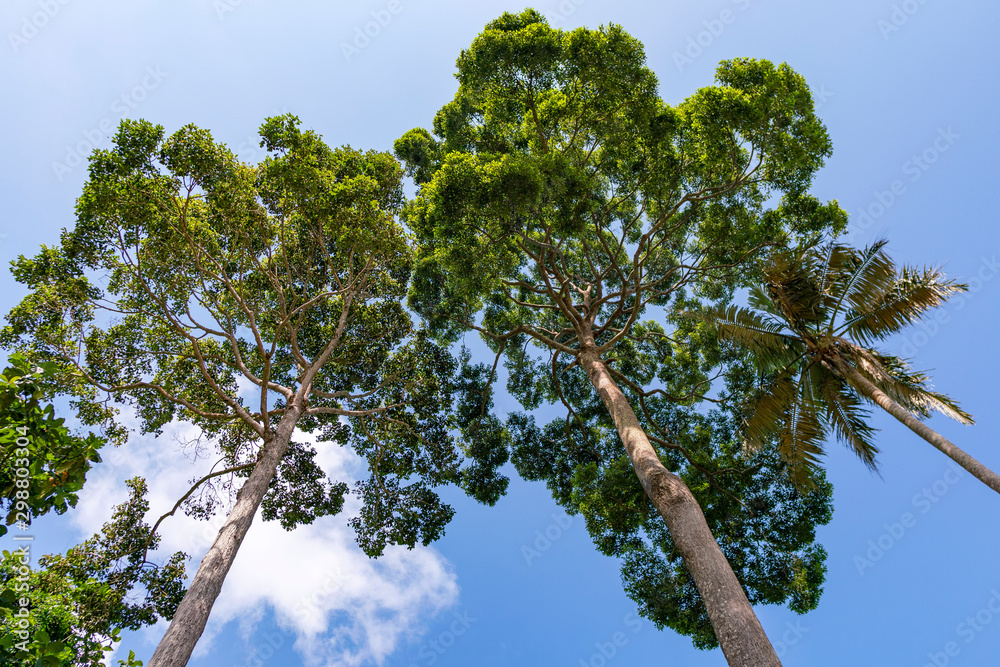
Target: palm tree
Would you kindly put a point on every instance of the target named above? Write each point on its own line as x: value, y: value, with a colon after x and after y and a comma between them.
x: 816, y: 316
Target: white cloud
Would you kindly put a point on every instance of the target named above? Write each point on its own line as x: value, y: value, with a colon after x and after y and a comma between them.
x: 341, y: 607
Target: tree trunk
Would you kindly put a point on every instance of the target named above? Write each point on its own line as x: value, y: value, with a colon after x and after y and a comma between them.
x: 880, y: 398
x: 736, y: 626
x: 174, y: 650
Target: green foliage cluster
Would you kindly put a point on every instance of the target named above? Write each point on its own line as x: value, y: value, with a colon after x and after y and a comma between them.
x: 815, y: 310
x: 564, y: 208
x: 79, y: 602
x: 42, y: 464
x: 765, y: 526
x: 189, y: 273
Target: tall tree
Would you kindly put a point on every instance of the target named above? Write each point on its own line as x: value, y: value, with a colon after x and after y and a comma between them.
x: 251, y: 300
x: 764, y: 524
x: 561, y: 200
x: 817, y: 312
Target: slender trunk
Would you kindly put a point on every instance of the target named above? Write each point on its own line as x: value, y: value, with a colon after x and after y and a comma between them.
x: 862, y: 384
x: 174, y: 650
x: 736, y: 626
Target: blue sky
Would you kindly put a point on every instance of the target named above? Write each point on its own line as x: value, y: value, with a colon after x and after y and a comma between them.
x: 909, y: 92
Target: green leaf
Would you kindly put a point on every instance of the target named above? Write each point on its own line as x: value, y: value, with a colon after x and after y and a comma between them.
x: 55, y: 648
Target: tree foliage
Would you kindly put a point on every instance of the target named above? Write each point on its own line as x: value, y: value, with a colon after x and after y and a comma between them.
x: 564, y: 208
x: 818, y: 308
x: 198, y: 288
x: 42, y: 464
x: 79, y: 602
x: 250, y: 301
x: 765, y: 526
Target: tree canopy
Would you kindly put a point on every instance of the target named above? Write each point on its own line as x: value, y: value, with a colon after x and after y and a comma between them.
x: 190, y: 278
x: 575, y: 219
x: 816, y: 314
x: 251, y: 300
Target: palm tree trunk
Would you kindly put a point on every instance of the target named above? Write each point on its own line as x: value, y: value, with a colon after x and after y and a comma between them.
x: 880, y: 398
x: 188, y: 624
x: 736, y: 625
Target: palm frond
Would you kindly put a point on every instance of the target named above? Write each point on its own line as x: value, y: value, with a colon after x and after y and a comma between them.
x: 761, y: 335
x: 828, y: 263
x: 911, y: 295
x: 760, y: 300
x: 911, y: 389
x: 848, y: 417
x: 791, y: 287
x: 865, y: 277
x: 801, y: 441
x: 832, y: 265
x: 825, y: 267
x: 769, y: 409
x: 825, y: 296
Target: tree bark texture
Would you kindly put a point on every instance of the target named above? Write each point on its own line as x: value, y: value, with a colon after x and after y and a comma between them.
x: 188, y: 624
x: 736, y: 626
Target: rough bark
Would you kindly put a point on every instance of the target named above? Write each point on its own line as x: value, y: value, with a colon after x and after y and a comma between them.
x: 958, y: 455
x: 174, y: 650
x: 736, y: 626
